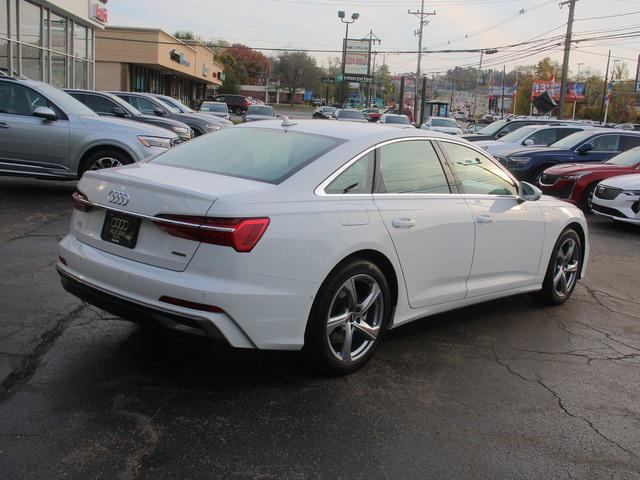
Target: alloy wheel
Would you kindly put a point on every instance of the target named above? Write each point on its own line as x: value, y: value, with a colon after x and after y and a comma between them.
x: 355, y: 318
x: 105, y: 162
x: 566, y: 268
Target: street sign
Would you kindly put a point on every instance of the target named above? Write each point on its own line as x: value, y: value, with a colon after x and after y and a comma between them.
x: 358, y: 78
x: 329, y: 80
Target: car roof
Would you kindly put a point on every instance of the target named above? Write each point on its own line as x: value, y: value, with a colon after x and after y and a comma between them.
x: 348, y: 131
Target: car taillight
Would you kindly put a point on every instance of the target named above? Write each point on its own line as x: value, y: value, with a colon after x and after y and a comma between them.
x: 80, y: 201
x: 240, y: 233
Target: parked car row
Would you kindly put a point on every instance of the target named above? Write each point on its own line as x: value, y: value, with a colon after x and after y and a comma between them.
x: 592, y: 167
x: 49, y: 133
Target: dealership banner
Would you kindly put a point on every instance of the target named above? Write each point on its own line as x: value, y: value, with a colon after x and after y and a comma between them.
x: 575, y: 92
x: 356, y: 60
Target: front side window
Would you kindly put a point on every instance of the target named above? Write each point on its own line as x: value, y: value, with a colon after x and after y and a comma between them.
x: 606, y: 143
x: 99, y: 104
x: 478, y: 175
x: 144, y: 105
x: 266, y: 155
x: 410, y: 167
x: 358, y: 178
x: 18, y: 100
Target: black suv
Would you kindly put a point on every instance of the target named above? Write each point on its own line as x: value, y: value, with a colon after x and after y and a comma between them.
x: 109, y: 105
x: 237, y: 104
x: 500, y: 128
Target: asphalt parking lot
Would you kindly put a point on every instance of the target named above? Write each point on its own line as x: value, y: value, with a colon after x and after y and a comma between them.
x: 504, y: 390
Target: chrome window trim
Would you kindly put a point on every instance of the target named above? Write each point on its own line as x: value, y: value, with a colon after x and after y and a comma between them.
x: 155, y: 219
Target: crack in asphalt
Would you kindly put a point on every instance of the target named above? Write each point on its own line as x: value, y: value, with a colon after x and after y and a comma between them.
x: 585, y: 420
x: 32, y: 361
x: 31, y: 233
x: 593, y: 293
x: 561, y: 404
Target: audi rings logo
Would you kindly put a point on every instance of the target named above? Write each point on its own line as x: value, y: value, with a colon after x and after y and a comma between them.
x: 119, y: 223
x: 118, y: 198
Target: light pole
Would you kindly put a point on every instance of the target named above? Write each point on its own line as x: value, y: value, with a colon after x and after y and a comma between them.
x: 573, y: 116
x: 341, y: 16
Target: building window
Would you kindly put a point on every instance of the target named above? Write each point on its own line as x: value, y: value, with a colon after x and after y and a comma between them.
x: 41, y: 44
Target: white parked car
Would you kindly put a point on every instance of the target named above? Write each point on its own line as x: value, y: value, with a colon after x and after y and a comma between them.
x: 618, y: 198
x: 217, y: 109
x: 256, y: 113
x: 540, y: 135
x: 349, y: 115
x: 395, y: 120
x: 315, y: 235
x: 442, y: 124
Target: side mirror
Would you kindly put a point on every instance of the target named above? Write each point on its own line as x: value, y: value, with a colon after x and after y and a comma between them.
x: 528, y: 192
x: 160, y: 112
x: 528, y: 142
x: 584, y: 148
x: 45, y: 113
x: 118, y: 112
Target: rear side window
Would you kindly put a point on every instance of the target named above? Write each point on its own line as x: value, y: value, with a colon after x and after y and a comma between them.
x: 266, y: 155
x: 410, y: 167
x: 358, y: 178
x: 629, y: 141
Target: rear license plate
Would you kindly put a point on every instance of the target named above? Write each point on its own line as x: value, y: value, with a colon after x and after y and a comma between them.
x: 120, y: 229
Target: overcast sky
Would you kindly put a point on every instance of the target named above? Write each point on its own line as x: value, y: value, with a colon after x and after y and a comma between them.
x: 313, y: 24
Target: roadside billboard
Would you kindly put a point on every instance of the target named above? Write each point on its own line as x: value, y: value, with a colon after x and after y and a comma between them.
x: 575, y: 92
x: 357, y: 57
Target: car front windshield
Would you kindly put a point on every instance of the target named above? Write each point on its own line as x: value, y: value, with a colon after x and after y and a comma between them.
x: 127, y: 107
x: 350, y: 114
x: 177, y: 104
x: 213, y: 107
x: 400, y: 119
x: 265, y: 155
x: 629, y: 158
x: 492, y: 128
x: 443, y: 122
x: 66, y: 102
x: 571, y: 141
x: 260, y: 110
x: 516, y: 135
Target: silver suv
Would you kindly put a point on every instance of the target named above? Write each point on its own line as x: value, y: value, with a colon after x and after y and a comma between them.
x: 45, y: 133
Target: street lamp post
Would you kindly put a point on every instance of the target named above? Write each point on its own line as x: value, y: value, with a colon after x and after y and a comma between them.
x: 341, y: 16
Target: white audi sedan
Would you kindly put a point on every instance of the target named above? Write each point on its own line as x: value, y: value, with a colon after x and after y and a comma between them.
x: 315, y: 236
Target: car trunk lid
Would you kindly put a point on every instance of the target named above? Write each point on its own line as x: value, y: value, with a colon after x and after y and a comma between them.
x: 126, y: 200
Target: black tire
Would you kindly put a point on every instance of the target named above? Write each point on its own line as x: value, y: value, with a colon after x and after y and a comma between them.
x: 585, y: 201
x: 549, y: 294
x: 534, y: 178
x: 101, y: 156
x: 318, y: 348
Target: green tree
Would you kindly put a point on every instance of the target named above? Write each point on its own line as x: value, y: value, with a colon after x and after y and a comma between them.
x: 295, y: 70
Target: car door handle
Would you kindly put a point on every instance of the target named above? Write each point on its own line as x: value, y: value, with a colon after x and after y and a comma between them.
x: 403, y: 222
x: 4, y: 125
x: 484, y: 219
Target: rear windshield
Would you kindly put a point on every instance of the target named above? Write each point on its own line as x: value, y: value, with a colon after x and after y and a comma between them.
x: 259, y: 110
x: 401, y: 119
x: 265, y: 155
x: 214, y: 107
x: 443, y: 122
x: 350, y: 114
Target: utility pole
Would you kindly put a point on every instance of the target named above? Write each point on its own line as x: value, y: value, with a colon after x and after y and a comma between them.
x: 606, y: 79
x: 565, y: 58
x: 479, y: 78
x: 372, y: 39
x: 573, y: 115
x: 504, y: 72
x: 421, y: 14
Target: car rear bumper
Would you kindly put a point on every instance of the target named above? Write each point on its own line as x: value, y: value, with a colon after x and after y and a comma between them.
x: 253, y: 311
x: 137, y: 312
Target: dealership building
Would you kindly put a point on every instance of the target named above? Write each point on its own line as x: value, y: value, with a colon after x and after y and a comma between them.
x: 52, y: 41
x: 151, y: 60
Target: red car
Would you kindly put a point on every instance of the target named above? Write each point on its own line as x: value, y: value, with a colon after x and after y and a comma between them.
x: 575, y: 182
